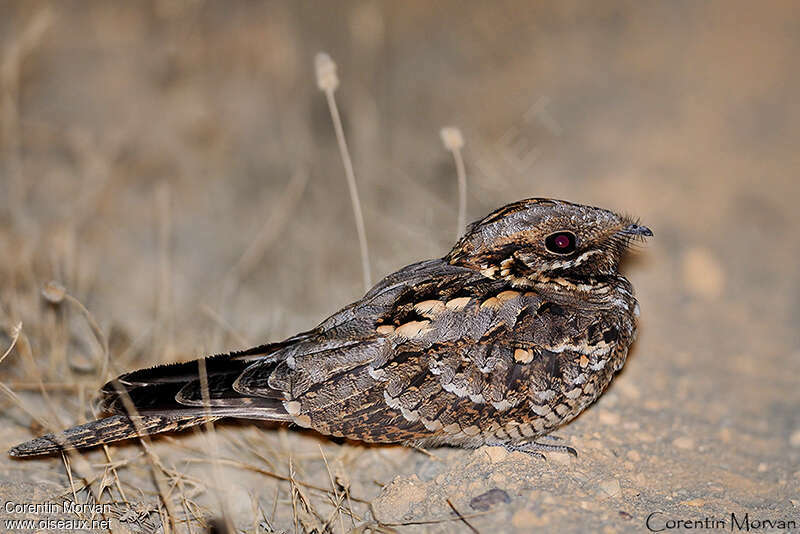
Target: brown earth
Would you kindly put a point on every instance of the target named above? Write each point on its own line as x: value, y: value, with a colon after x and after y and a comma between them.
x: 173, y: 165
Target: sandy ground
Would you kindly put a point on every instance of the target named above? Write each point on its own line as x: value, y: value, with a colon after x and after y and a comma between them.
x: 173, y: 165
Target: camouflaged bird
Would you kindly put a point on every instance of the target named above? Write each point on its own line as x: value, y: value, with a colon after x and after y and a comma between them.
x: 512, y: 334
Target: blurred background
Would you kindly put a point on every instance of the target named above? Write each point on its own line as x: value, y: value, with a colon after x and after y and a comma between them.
x: 171, y: 166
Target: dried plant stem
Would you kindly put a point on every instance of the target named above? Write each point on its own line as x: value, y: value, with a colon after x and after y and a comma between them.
x: 454, y: 142
x: 211, y: 436
x: 337, y: 501
x: 255, y: 469
x: 328, y: 81
x: 15, y: 331
x: 462, y: 192
x: 19, y: 340
x: 462, y: 518
x: 157, y: 468
x: 98, y: 333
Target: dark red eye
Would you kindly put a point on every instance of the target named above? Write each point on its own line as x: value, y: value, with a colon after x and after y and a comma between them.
x: 560, y: 242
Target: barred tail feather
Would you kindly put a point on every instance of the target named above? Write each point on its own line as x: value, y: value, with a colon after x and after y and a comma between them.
x: 108, y: 430
x: 168, y: 398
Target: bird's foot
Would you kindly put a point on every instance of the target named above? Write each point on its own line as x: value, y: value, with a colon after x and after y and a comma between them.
x: 536, y: 448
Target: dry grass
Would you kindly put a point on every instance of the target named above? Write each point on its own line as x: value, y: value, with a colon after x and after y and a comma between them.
x: 171, y: 186
x: 58, y: 320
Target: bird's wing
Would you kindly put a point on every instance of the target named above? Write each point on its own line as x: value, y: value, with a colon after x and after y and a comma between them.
x: 351, y: 338
x: 248, y: 383
x: 432, y: 347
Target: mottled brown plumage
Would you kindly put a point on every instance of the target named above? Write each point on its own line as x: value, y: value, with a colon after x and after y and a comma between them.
x: 513, y: 333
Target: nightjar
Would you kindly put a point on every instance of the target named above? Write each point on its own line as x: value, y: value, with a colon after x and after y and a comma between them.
x: 510, y: 335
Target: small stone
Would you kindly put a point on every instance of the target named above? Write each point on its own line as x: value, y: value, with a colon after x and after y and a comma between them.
x: 762, y: 467
x: 794, y: 439
x: 485, y: 501
x: 634, y: 456
x: 684, y: 442
x: 610, y: 487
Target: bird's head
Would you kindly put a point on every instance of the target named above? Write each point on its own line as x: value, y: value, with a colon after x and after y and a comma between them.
x: 541, y: 236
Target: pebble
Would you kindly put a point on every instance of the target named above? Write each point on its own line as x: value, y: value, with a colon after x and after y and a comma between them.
x: 684, y: 442
x: 794, y: 439
x: 485, y: 501
x: 610, y: 487
x: 634, y: 456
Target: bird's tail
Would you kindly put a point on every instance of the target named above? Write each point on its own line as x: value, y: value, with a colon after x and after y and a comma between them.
x: 103, y: 431
x: 168, y: 398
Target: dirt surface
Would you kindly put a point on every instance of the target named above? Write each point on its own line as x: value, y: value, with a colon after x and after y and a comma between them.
x: 173, y: 166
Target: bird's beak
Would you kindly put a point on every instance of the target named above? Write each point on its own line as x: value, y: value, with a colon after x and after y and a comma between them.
x: 636, y: 229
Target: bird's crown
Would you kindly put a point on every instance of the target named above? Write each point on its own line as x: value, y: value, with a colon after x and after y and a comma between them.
x: 539, y: 235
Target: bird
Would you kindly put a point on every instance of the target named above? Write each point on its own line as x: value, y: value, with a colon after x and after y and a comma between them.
x: 513, y: 333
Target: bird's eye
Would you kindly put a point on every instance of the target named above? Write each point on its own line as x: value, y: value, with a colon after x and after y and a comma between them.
x: 560, y: 242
